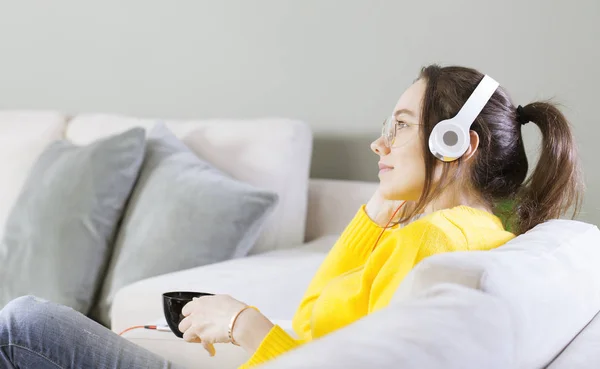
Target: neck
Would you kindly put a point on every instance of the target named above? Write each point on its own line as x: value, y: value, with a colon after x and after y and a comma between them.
x: 451, y: 198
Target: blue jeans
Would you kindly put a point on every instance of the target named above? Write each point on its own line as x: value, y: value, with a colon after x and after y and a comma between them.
x: 38, y: 334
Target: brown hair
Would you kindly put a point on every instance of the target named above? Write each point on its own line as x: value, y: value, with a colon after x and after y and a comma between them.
x: 499, y: 167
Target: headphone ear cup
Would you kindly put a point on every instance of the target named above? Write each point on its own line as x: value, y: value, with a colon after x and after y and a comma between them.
x: 448, y: 141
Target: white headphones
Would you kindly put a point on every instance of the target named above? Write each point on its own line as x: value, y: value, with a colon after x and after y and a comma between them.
x: 449, y: 139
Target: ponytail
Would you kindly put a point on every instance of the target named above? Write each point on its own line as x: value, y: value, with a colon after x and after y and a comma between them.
x: 497, y: 173
x: 556, y: 184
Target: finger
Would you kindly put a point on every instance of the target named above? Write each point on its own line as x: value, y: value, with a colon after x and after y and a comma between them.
x: 185, y: 324
x: 188, y: 308
x: 210, y: 348
x: 190, y: 336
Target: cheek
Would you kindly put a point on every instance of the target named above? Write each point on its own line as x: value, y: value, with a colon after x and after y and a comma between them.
x: 407, y: 179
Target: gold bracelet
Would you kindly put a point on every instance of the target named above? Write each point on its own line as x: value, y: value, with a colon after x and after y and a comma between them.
x: 233, y: 320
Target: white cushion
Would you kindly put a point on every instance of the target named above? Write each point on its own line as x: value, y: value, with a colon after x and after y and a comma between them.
x: 447, y: 326
x: 23, y: 137
x: 273, y: 154
x: 549, y: 279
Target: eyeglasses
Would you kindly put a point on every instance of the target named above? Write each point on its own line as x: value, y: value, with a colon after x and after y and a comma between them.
x: 392, y: 132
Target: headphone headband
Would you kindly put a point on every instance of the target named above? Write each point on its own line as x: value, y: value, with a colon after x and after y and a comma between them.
x: 477, y: 101
x: 450, y: 138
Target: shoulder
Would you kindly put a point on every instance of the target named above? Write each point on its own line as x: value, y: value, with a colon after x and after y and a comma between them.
x: 455, y: 224
x: 461, y: 228
x: 438, y: 231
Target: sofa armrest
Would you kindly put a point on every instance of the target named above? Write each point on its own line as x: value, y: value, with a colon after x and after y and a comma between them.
x: 274, y: 281
x: 332, y: 204
x: 445, y: 326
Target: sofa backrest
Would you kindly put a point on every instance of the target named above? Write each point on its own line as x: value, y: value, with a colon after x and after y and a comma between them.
x: 548, y: 278
x: 273, y: 154
x: 23, y: 137
x: 333, y: 203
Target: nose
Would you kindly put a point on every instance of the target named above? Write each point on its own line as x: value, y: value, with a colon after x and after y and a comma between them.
x: 379, y: 147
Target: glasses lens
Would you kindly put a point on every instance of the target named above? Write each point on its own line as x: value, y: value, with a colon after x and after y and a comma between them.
x: 397, y: 134
x: 389, y: 131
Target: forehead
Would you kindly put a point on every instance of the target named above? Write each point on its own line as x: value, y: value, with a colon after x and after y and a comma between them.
x: 412, y: 98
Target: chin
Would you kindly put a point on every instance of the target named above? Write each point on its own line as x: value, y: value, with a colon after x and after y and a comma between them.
x: 395, y: 193
x: 391, y: 193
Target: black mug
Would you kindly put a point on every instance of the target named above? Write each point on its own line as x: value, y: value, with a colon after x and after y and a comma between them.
x: 173, y: 303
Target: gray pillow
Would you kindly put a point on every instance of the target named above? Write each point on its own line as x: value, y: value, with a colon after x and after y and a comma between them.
x: 183, y: 213
x: 60, y: 231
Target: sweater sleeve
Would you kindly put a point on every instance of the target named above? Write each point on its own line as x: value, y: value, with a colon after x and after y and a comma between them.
x: 350, y: 251
x: 274, y: 344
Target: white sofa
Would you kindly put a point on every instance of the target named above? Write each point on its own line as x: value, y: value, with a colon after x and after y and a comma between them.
x: 529, y: 304
x: 532, y: 303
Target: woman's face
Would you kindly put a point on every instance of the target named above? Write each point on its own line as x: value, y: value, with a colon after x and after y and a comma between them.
x: 401, y: 166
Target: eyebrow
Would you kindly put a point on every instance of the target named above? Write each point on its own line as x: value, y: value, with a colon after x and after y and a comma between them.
x: 404, y: 111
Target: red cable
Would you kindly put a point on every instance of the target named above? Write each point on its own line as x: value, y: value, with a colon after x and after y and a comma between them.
x: 138, y: 327
x: 388, y: 223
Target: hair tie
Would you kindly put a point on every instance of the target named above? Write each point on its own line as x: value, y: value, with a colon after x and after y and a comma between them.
x: 521, y: 116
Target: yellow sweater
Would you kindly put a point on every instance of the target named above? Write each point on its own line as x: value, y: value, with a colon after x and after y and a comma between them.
x: 356, y: 279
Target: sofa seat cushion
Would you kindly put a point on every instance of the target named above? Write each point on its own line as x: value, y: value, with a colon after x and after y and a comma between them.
x: 274, y: 282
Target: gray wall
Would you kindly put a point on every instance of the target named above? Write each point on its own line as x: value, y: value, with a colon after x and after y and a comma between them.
x: 339, y: 65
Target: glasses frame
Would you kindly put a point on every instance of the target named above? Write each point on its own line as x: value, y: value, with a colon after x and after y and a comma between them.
x: 389, y: 138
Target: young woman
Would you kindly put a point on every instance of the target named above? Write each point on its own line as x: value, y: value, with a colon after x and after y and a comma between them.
x: 429, y: 201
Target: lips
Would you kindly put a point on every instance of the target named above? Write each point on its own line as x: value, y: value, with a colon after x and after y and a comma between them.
x: 384, y: 168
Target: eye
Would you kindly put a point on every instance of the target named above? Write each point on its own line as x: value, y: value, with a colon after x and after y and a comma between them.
x: 400, y: 125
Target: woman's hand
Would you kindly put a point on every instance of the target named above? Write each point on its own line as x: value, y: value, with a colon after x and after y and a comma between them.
x: 380, y: 209
x: 207, y: 321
